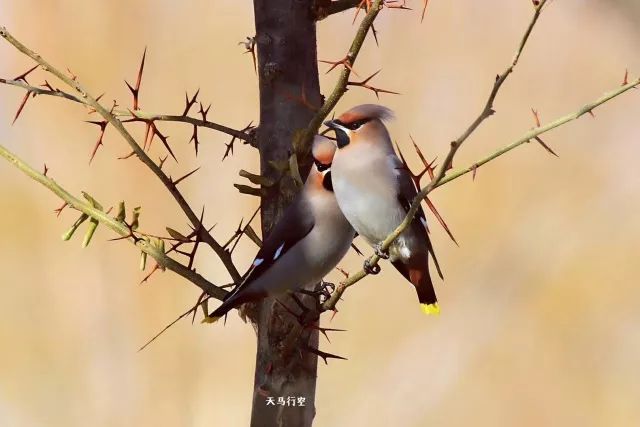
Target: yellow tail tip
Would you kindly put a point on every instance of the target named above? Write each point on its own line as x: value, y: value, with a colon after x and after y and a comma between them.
x: 208, y: 319
x: 430, y: 308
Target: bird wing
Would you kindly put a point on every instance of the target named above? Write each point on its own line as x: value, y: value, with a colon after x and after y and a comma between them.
x: 406, y: 192
x: 296, y: 222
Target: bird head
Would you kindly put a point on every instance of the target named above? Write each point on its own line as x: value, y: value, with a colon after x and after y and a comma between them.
x: 322, y: 152
x: 361, y: 123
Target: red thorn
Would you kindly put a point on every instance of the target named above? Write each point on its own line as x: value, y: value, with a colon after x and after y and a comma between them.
x: 60, y: 209
x: 441, y: 220
x: 135, y: 91
x: 546, y: 147
x: 21, y: 107
x: 536, y: 117
x: 24, y: 75
x: 46, y: 169
x: 474, y: 169
x: 424, y: 10
x: 344, y: 61
x: 625, y: 81
x: 365, y: 84
x: 103, y: 127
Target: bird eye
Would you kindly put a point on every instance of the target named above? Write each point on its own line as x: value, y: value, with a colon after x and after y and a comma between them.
x: 357, y: 124
x: 321, y: 166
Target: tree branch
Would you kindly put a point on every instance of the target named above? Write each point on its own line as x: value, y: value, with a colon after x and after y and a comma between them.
x: 244, y: 136
x: 87, y: 99
x: 341, y: 85
x: 118, y: 227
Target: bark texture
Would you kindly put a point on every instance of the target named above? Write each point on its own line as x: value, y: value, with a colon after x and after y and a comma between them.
x: 288, y: 73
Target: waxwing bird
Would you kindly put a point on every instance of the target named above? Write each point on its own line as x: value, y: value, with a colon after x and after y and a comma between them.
x: 310, y: 239
x: 374, y: 190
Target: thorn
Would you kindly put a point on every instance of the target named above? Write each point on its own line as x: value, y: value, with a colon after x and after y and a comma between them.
x: 103, y: 126
x: 440, y: 220
x: 60, y: 209
x: 303, y: 100
x: 229, y: 146
x: 324, y: 331
x: 194, y: 138
x: 22, y: 104
x: 365, y: 84
x: 546, y: 147
x: 424, y: 9
x: 189, y: 103
x: 375, y: 34
x: 176, y: 182
x: 344, y: 61
x: 127, y: 156
x: 395, y: 4
x: 155, y: 132
x: 593, y: 116
x: 46, y: 169
x: 324, y: 355
x: 355, y: 248
x: 364, y: 4
x: 204, y: 112
x: 536, y: 117
x: 162, y: 161
x: 625, y: 81
x: 250, y: 47
x: 474, y: 169
x: 24, y: 75
x: 148, y: 276
x: 73, y: 76
x: 344, y: 273
x: 135, y: 91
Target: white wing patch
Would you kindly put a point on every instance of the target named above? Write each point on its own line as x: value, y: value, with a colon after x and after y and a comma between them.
x: 278, y: 252
x: 257, y: 262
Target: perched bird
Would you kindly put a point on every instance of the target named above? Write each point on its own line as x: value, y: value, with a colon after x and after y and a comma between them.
x: 308, y: 241
x: 375, y: 190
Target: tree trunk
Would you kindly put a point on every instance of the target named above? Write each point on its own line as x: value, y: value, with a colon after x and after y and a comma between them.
x: 288, y: 73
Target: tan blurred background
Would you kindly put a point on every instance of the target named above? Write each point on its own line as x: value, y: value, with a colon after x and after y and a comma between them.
x: 539, y: 322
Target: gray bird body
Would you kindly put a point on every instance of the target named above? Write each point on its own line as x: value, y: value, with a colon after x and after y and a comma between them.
x: 368, y: 190
x: 375, y: 190
x: 308, y: 241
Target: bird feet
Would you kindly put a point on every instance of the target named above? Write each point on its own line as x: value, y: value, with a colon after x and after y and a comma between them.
x: 384, y: 254
x: 371, y: 268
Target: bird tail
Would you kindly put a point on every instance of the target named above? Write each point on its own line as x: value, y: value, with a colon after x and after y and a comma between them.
x: 418, y: 275
x: 230, y: 302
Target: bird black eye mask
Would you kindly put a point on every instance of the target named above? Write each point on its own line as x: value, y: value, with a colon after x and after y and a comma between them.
x: 326, y: 182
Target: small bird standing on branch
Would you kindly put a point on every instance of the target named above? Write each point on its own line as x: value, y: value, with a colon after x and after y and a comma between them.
x: 375, y: 190
x: 310, y: 239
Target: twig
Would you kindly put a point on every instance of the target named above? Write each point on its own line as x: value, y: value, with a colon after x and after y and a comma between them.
x: 120, y: 228
x: 341, y: 85
x: 532, y: 134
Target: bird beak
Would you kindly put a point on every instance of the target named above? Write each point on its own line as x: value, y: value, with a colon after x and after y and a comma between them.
x: 330, y: 124
x: 335, y: 125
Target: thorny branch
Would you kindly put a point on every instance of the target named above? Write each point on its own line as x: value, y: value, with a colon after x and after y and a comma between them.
x: 87, y: 99
x: 248, y: 137
x: 341, y: 85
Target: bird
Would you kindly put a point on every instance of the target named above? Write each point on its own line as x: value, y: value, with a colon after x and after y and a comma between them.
x: 308, y: 241
x: 375, y: 189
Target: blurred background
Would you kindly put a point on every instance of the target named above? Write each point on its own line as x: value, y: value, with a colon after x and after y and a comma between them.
x: 539, y: 322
